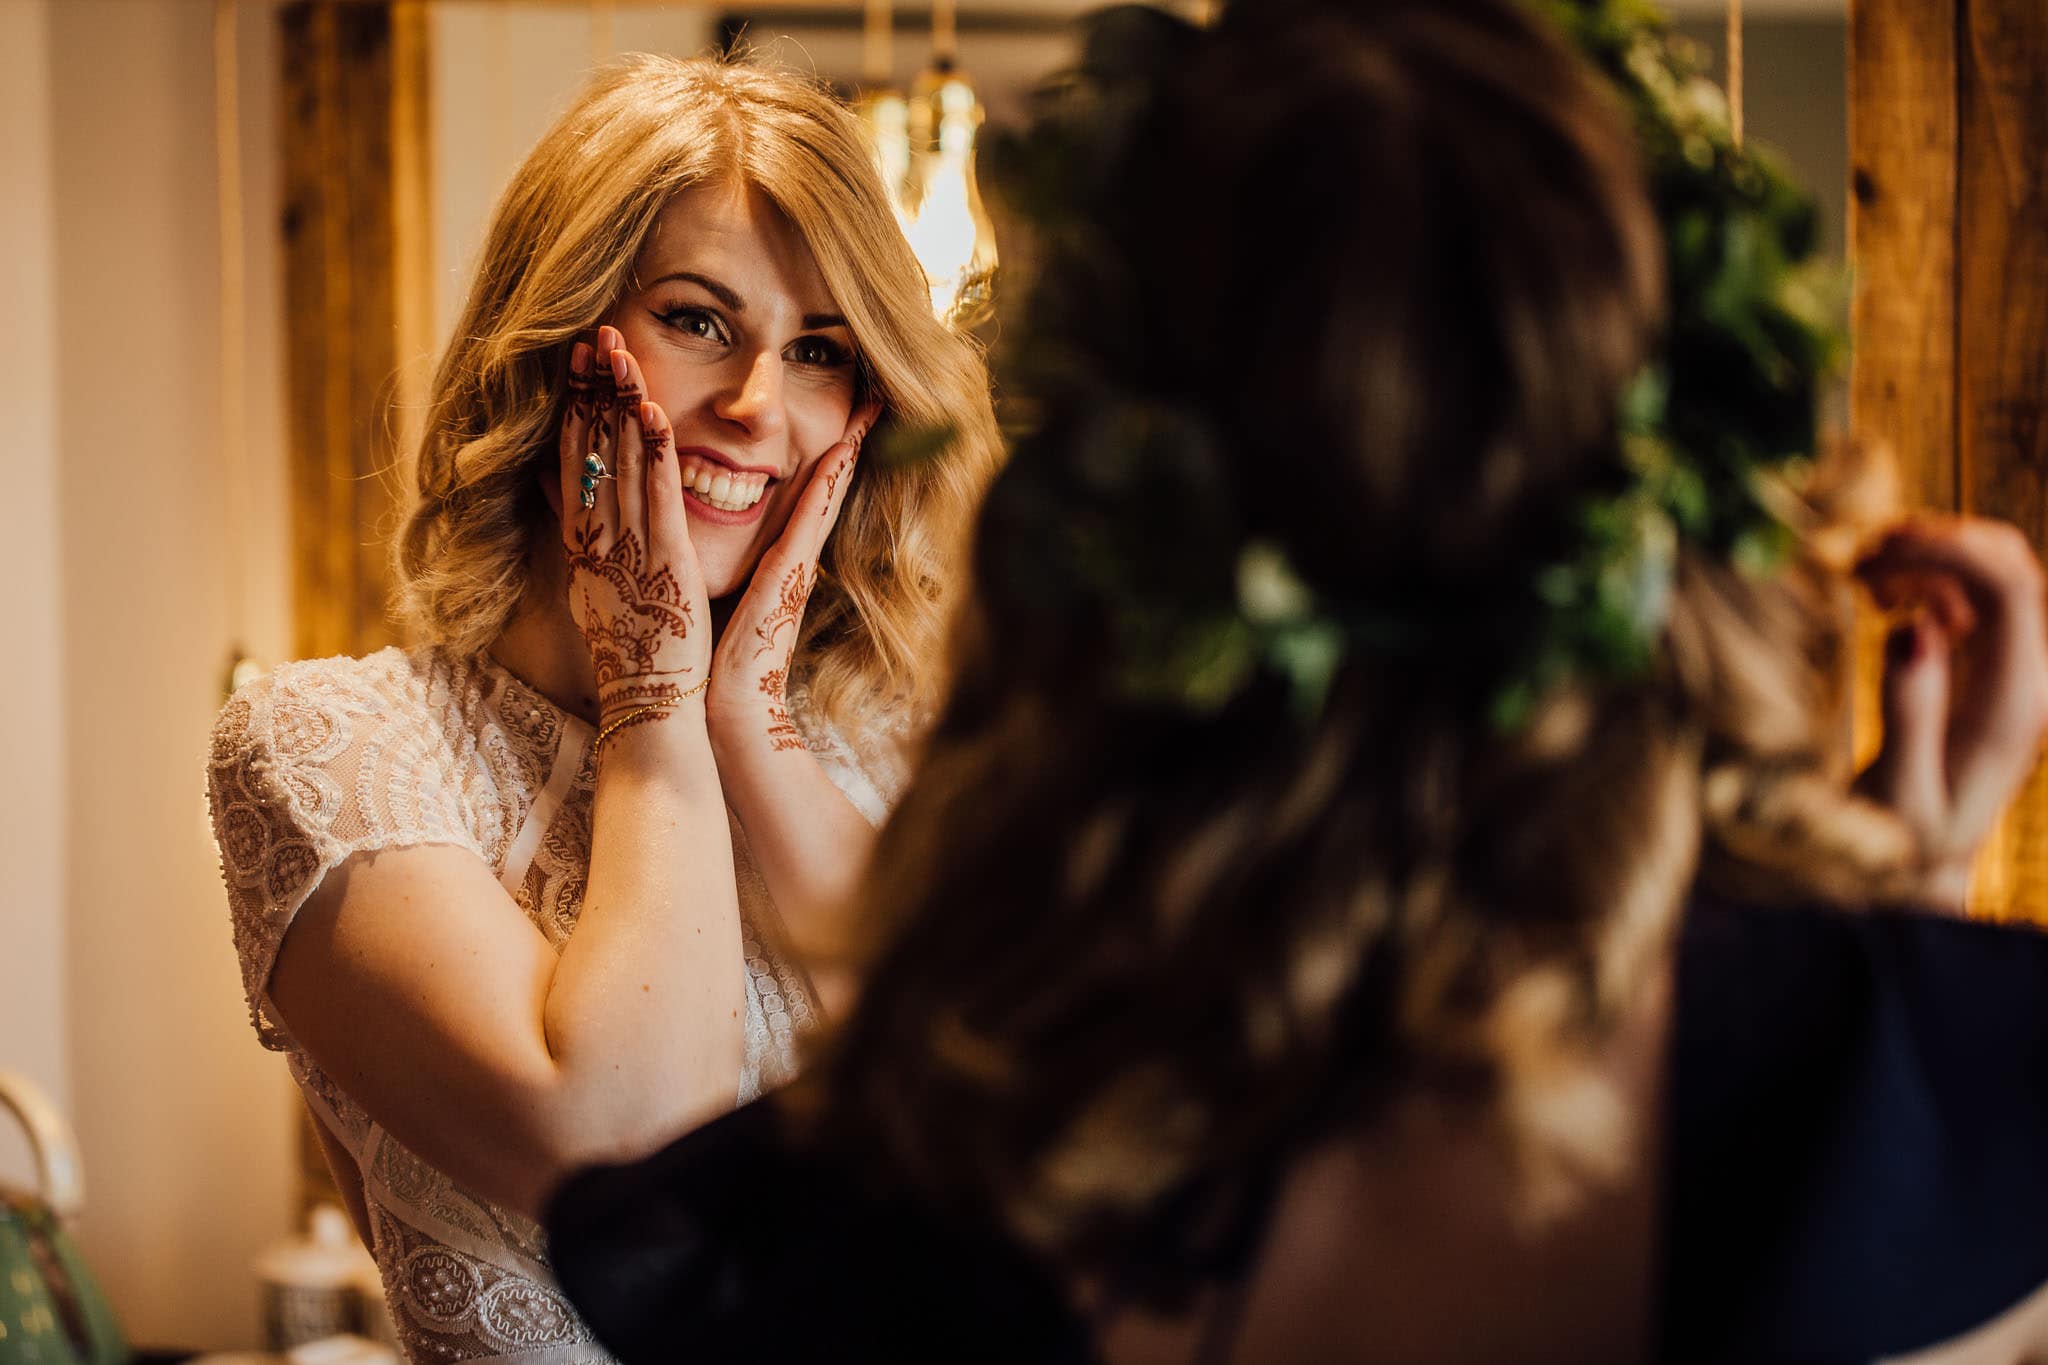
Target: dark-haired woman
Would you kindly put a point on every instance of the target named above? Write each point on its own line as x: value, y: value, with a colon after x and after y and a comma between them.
x: 1386, y: 888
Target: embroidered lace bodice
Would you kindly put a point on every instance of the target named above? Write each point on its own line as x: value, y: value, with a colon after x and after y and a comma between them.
x: 325, y: 759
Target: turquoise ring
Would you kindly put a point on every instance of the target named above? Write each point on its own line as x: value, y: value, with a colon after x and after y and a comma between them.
x: 593, y: 470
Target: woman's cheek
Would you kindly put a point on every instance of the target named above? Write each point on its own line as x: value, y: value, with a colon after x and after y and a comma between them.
x: 822, y: 429
x: 829, y: 402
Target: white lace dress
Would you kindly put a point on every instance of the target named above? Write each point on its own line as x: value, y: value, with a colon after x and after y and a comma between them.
x: 334, y: 757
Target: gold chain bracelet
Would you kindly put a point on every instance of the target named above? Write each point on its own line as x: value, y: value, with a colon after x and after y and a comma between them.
x: 640, y: 713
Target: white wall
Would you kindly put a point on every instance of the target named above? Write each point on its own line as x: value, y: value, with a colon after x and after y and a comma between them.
x: 32, y: 938
x: 500, y: 75
x: 185, y: 1122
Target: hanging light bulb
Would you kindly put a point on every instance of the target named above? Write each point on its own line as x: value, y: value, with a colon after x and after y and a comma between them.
x: 886, y: 116
x: 949, y: 228
x: 883, y: 110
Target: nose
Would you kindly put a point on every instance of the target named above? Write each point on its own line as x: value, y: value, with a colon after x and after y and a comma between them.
x: 755, y: 402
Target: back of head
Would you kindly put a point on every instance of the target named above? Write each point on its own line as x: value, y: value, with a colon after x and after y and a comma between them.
x: 1397, y: 257
x: 1339, y: 300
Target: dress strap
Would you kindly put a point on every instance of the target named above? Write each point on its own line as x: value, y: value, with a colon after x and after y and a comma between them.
x: 547, y: 803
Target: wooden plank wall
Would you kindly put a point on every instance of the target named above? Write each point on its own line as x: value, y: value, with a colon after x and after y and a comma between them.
x: 1948, y: 133
x: 356, y: 168
x: 1902, y: 231
x: 2002, y: 341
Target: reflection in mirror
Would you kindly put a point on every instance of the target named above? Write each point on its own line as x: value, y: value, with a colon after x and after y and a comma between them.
x: 669, y: 635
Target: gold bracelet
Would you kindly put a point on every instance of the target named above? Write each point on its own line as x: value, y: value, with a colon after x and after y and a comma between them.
x: 640, y: 713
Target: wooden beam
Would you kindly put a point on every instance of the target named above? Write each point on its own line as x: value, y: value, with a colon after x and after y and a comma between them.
x: 2002, y: 346
x: 1902, y: 235
x: 1902, y: 249
x: 354, y: 153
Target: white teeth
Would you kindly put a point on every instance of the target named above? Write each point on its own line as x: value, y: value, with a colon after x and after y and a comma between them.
x: 721, y: 487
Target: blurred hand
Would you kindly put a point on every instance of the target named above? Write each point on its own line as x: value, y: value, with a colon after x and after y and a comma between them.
x: 1965, y: 686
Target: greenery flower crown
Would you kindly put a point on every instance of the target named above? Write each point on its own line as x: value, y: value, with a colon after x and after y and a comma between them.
x: 1721, y: 418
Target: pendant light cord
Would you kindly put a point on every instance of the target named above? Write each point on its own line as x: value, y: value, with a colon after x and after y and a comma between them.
x: 877, y: 50
x: 1735, y: 69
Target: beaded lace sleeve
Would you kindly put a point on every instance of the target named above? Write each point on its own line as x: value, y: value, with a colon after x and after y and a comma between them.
x: 316, y: 763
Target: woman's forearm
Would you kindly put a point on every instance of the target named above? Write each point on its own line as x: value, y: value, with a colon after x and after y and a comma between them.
x: 808, y: 840
x: 643, y: 1015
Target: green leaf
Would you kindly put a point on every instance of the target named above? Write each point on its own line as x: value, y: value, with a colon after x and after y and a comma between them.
x: 1268, y: 589
x: 1308, y: 656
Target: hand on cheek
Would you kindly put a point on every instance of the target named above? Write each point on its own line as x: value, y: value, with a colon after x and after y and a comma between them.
x: 750, y: 672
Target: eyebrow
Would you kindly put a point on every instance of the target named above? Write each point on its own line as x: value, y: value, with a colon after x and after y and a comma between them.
x: 812, y: 321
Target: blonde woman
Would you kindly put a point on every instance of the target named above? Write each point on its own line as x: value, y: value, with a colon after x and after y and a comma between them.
x: 541, y: 890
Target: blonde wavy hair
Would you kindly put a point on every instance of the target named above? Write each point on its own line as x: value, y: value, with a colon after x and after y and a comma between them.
x: 559, y: 255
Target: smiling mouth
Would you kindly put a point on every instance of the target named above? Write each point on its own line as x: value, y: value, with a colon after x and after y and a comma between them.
x: 721, y: 487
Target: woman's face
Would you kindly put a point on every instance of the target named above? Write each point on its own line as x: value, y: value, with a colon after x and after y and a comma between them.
x: 742, y: 346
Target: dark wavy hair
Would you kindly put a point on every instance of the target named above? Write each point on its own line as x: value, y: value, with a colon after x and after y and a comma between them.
x: 1365, y: 281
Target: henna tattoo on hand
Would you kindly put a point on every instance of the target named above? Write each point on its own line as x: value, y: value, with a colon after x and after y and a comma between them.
x: 782, y: 732
x: 789, y: 608
x: 632, y: 610
x: 625, y: 695
x: 603, y: 400
x: 626, y: 394
x: 582, y: 394
x: 838, y: 472
x: 656, y: 442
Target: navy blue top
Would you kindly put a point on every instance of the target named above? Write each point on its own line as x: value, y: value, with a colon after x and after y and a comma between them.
x: 1859, y: 1158
x: 1859, y: 1167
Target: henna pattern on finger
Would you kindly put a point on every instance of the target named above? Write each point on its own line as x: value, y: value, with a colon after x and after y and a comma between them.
x: 603, y: 401
x: 582, y: 395
x: 656, y: 441
x: 626, y: 393
x: 836, y: 473
x: 789, y: 608
x: 632, y: 609
x: 782, y: 732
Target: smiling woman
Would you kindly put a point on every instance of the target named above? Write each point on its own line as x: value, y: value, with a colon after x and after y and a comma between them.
x: 741, y: 345
x: 553, y: 886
